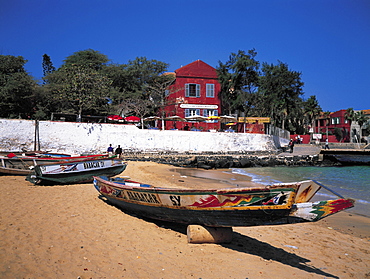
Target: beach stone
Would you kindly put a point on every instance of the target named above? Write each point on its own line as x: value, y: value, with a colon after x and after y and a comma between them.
x: 202, y: 234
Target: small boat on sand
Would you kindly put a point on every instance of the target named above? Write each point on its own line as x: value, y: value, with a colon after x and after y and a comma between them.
x: 13, y: 164
x: 282, y: 203
x: 78, y: 171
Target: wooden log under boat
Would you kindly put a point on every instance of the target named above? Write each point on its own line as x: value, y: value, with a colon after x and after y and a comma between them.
x: 202, y: 234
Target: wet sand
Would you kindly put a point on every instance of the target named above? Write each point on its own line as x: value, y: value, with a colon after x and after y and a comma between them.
x: 68, y: 232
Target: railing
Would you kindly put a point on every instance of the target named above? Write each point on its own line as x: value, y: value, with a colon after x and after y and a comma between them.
x: 275, y: 131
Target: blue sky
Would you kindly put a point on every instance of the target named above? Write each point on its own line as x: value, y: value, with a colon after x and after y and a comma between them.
x: 328, y: 41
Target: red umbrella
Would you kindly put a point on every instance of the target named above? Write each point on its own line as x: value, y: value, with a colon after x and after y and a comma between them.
x: 132, y: 119
x: 114, y: 118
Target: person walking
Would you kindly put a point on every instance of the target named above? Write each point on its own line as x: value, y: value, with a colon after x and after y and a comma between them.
x: 291, y: 145
x: 327, y: 144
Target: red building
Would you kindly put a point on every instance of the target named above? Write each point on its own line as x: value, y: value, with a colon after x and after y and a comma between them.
x: 327, y: 124
x: 194, y: 92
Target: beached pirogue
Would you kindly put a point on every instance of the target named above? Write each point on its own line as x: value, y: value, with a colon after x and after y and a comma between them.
x: 18, y: 164
x: 78, y: 171
x: 282, y: 203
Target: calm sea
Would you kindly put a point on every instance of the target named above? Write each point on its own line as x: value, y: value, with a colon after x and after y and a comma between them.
x: 350, y: 182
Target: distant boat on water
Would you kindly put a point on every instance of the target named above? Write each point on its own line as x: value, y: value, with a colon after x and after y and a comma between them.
x: 347, y: 157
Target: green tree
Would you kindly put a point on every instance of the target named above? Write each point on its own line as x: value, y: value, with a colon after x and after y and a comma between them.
x: 361, y: 118
x: 327, y: 118
x: 80, y: 88
x: 239, y: 82
x: 350, y: 114
x: 158, y: 93
x: 312, y: 110
x: 133, y: 80
x: 338, y: 134
x: 94, y: 59
x: 281, y: 91
x: 143, y: 72
x: 47, y: 66
x: 16, y: 88
x: 358, y: 116
x: 80, y: 84
x: 140, y: 107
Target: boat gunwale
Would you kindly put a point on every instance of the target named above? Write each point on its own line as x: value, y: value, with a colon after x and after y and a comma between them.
x: 56, y: 159
x: 83, y: 160
x: 224, y: 191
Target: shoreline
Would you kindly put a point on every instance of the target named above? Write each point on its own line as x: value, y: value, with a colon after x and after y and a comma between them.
x: 69, y: 232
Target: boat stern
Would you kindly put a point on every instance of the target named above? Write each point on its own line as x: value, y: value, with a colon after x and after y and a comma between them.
x: 315, y: 211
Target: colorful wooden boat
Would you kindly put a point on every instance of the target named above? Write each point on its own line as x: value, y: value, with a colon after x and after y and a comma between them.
x: 79, y: 171
x: 23, y: 165
x: 271, y: 205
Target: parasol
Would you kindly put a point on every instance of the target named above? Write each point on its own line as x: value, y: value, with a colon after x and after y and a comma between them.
x: 174, y: 118
x: 213, y: 117
x: 113, y: 117
x: 132, y: 119
x: 151, y: 118
x: 196, y: 118
x: 228, y: 118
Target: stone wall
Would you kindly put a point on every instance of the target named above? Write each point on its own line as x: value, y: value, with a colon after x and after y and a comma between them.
x: 224, y: 161
x: 79, y: 138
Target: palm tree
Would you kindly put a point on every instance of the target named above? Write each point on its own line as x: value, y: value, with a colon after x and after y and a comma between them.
x: 312, y: 110
x: 356, y: 118
x: 327, y: 118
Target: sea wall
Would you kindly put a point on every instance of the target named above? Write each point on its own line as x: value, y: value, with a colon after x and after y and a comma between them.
x: 78, y: 138
x: 224, y: 161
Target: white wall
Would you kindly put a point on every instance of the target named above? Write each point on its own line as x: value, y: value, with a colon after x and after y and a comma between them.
x: 77, y: 138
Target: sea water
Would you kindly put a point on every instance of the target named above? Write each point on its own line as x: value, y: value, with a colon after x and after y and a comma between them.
x: 349, y: 181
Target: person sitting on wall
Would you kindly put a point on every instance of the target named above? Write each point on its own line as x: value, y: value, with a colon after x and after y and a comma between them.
x: 110, y: 150
x: 193, y: 128
x: 118, y: 151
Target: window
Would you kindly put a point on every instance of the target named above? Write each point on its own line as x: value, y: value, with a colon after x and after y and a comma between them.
x: 191, y: 112
x: 210, y: 112
x: 335, y: 120
x: 192, y: 90
x: 210, y: 90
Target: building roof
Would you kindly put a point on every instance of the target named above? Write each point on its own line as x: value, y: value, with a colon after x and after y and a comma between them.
x: 197, y: 69
x: 366, y: 111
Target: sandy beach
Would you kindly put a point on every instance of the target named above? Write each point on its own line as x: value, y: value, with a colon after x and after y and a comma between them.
x: 68, y: 232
